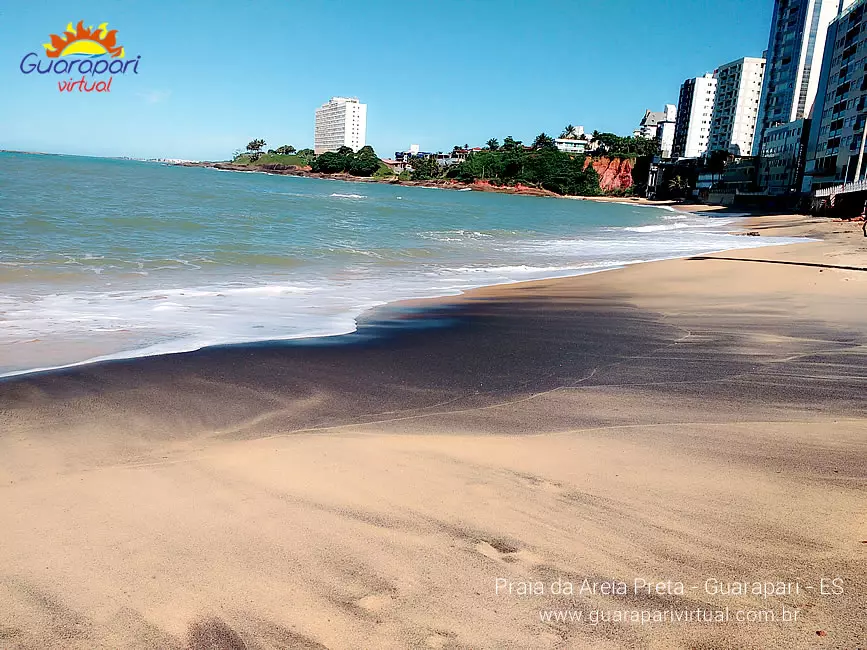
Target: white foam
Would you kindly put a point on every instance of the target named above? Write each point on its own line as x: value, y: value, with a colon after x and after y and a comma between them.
x: 663, y: 227
x: 337, y: 195
x: 326, y: 298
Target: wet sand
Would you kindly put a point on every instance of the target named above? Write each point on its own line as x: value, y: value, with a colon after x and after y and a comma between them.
x: 684, y: 421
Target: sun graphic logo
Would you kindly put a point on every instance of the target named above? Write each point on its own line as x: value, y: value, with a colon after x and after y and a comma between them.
x: 84, y: 41
x: 92, y: 53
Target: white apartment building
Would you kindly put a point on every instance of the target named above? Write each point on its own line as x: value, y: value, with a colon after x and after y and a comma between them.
x: 694, y: 112
x: 794, y: 60
x: 575, y: 141
x: 665, y: 130
x: 341, y: 122
x: 649, y: 124
x: 736, y: 107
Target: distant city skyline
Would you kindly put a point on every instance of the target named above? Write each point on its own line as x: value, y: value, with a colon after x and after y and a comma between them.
x: 213, y: 78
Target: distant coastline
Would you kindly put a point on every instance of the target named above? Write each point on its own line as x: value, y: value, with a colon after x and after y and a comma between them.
x: 447, y: 184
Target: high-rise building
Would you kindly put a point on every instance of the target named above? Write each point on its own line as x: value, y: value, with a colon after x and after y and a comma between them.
x: 694, y: 112
x: 341, y: 122
x: 794, y: 59
x: 736, y: 107
x: 836, y: 148
x: 665, y: 130
x: 782, y: 157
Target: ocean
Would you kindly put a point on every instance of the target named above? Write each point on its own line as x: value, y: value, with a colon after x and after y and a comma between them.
x: 103, y: 258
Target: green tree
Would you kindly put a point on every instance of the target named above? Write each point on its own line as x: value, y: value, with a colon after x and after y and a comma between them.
x: 345, y: 151
x: 493, y: 144
x: 716, y: 162
x: 329, y: 162
x: 615, y: 145
x: 679, y: 186
x: 364, y: 163
x: 255, y: 146
x: 568, y: 132
x: 285, y: 150
x: 424, y: 169
x: 305, y: 152
x: 543, y: 141
x: 510, y: 144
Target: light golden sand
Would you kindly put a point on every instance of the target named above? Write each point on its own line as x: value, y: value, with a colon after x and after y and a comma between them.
x: 736, y: 450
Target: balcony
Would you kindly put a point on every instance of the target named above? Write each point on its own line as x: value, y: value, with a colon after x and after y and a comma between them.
x: 845, y: 188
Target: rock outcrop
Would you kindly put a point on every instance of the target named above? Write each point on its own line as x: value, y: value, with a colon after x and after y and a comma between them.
x: 614, y: 173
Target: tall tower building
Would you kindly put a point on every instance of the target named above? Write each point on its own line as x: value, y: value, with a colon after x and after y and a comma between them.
x: 341, y: 122
x: 736, y: 107
x: 665, y: 130
x: 694, y: 112
x: 837, y: 148
x: 794, y: 59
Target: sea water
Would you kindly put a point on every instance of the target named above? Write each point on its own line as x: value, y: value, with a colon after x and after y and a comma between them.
x: 103, y: 258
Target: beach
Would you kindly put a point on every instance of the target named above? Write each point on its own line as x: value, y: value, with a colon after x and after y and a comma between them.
x: 181, y: 258
x: 697, y: 421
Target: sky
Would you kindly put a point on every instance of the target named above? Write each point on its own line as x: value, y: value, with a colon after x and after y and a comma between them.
x: 214, y: 75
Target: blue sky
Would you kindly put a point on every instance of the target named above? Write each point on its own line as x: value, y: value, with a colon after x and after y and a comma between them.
x: 214, y: 75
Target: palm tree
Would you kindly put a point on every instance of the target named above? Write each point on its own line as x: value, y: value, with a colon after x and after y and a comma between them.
x: 716, y: 163
x: 510, y: 144
x: 543, y: 141
x: 255, y: 146
x: 493, y: 144
x: 679, y: 186
x: 568, y: 132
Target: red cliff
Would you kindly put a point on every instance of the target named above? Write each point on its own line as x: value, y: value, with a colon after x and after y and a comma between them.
x: 614, y: 173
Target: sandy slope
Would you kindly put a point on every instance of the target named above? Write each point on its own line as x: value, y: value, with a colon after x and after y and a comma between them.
x: 676, y: 421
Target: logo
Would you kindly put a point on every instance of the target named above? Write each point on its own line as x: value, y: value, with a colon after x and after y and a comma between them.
x: 92, y: 53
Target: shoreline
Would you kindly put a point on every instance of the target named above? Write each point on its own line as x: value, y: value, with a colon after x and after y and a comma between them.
x: 679, y: 420
x: 364, y: 314
x: 443, y: 184
x: 485, y: 186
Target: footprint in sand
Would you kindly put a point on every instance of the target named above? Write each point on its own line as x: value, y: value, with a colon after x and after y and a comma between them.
x: 438, y: 640
x: 540, y: 483
x: 375, y: 602
x: 503, y: 551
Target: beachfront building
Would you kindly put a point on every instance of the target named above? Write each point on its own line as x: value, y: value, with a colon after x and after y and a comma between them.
x: 794, y: 56
x: 403, y: 159
x: 665, y: 131
x: 649, y: 125
x: 340, y: 122
x: 694, y: 111
x: 835, y: 152
x: 576, y: 141
x: 783, y: 153
x: 567, y: 145
x: 736, y: 106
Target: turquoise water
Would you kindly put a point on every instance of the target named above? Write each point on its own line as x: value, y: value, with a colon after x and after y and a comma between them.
x: 176, y: 258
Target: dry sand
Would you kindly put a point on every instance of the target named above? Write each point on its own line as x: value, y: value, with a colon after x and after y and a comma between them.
x: 674, y: 421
